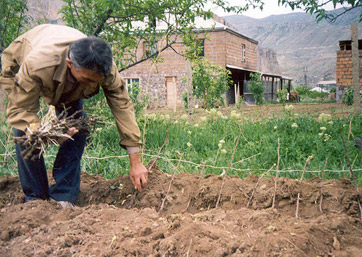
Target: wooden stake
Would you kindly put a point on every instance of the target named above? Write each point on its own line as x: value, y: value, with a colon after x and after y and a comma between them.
x: 256, y: 185
x: 231, y: 161
x: 169, y: 185
x: 198, y: 182
x: 321, y: 193
x: 353, y: 177
x: 301, y: 178
x: 277, y: 175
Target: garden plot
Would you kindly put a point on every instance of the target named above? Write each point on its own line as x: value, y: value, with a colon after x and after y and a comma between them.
x: 177, y: 216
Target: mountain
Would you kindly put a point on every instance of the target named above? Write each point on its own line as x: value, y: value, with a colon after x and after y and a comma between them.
x: 304, y: 48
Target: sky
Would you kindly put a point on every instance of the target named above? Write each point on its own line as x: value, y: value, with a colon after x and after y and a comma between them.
x: 270, y: 8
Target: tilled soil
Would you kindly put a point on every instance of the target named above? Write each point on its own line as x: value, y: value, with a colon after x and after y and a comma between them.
x: 178, y: 216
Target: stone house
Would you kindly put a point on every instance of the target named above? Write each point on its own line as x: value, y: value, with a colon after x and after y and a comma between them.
x: 344, y: 67
x: 164, y: 82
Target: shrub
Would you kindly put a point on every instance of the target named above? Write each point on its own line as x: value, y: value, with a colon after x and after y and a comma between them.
x: 256, y: 88
x: 138, y: 102
x: 302, y: 90
x: 209, y: 82
x: 347, y: 97
x: 315, y: 94
x: 282, y: 95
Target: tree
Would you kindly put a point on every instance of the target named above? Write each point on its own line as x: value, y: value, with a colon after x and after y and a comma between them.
x: 209, y: 83
x: 128, y: 24
x: 318, y: 7
x: 12, y: 20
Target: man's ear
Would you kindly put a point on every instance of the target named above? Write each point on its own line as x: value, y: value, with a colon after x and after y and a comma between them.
x: 69, y: 63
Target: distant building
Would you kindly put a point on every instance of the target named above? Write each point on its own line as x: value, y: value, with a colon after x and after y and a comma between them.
x: 327, y: 85
x: 344, y: 67
x: 164, y: 82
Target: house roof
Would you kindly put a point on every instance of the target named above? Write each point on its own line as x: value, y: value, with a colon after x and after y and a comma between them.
x: 214, y: 25
x: 262, y: 73
x: 326, y: 82
x: 200, y: 25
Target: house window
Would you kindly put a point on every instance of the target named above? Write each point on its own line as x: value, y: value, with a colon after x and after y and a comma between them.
x: 132, y: 82
x: 201, y: 46
x: 149, y: 49
x: 243, y: 52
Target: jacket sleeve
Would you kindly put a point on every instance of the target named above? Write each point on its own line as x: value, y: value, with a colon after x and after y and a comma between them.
x: 122, y: 109
x: 23, y: 92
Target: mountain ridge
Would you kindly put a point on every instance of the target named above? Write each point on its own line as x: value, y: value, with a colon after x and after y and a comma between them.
x: 304, y: 48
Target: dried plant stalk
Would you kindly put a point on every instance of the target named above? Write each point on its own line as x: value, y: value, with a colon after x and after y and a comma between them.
x: 35, y: 142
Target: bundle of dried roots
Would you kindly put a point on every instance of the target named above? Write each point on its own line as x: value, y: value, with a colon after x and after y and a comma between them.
x: 35, y: 142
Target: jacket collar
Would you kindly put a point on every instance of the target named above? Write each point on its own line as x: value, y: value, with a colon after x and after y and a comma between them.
x: 60, y: 73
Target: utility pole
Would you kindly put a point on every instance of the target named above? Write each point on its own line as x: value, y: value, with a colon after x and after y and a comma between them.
x: 355, y: 69
x: 305, y: 77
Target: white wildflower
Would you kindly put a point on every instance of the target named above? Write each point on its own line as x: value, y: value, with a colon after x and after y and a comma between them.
x: 220, y: 146
x: 196, y: 125
x: 203, y: 118
x: 223, y: 151
x: 183, y: 117
x: 189, y: 132
x: 189, y: 144
x: 221, y: 141
x: 323, y: 128
x: 323, y: 117
x: 294, y: 125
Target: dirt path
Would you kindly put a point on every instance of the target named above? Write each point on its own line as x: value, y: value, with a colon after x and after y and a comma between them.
x: 113, y: 221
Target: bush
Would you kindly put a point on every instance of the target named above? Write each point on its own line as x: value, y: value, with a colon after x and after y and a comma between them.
x: 302, y: 90
x: 256, y: 88
x: 209, y: 83
x: 347, y: 97
x: 282, y: 95
x: 134, y: 93
x: 315, y: 94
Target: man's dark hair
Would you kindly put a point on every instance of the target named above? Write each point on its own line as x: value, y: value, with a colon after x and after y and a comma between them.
x: 91, y: 53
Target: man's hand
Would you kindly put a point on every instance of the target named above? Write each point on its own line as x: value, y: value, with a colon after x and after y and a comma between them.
x: 138, y: 173
x: 71, y: 132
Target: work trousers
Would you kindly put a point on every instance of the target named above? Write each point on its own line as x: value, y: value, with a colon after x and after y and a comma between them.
x: 66, y: 168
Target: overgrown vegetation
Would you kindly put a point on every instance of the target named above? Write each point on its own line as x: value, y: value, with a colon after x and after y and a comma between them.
x: 211, y: 138
x: 209, y: 83
x: 282, y: 95
x: 256, y: 87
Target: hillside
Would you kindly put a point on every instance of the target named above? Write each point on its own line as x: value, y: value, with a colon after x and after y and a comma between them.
x: 302, y: 45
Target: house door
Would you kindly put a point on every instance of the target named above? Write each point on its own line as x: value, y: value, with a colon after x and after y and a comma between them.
x: 171, y: 87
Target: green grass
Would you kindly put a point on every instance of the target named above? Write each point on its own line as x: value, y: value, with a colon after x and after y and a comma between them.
x: 212, y: 139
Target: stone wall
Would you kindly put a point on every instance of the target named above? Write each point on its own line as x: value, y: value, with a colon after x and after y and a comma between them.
x: 220, y: 48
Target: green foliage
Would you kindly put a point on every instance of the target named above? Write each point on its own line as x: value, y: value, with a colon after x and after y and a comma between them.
x: 316, y: 94
x: 209, y: 139
x: 239, y: 104
x: 302, y: 90
x: 256, y: 88
x: 347, y: 97
x: 12, y: 21
x: 333, y: 90
x: 209, y: 82
x: 119, y: 23
x: 318, y: 8
x: 139, y: 103
x: 282, y: 95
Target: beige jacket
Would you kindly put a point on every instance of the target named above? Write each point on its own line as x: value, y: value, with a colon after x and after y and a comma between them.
x: 34, y: 66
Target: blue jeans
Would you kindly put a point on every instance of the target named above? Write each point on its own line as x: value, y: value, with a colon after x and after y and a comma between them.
x: 66, y: 169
